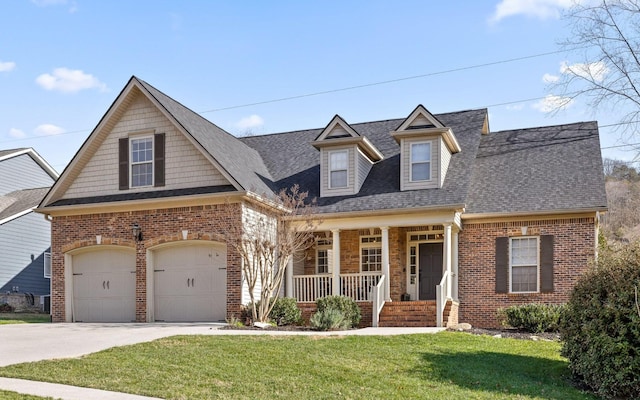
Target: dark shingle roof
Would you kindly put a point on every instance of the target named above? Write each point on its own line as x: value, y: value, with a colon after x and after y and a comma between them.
x: 240, y: 161
x: 291, y: 159
x: 538, y: 169
x: 19, y: 201
x: 7, y: 152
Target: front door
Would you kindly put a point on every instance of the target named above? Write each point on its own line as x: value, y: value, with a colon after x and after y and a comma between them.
x: 430, y: 269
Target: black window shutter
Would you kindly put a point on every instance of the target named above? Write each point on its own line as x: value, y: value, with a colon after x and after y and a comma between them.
x: 546, y: 263
x: 123, y: 163
x: 502, y: 265
x: 158, y: 159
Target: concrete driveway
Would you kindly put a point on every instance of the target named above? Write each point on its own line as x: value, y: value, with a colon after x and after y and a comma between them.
x: 34, y: 342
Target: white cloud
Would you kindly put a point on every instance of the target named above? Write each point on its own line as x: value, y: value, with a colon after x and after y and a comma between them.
x: 542, y: 9
x: 595, y: 70
x: 553, y: 103
x: 250, y: 122
x: 69, y: 81
x: 48, y: 130
x: 515, y: 107
x: 548, y: 78
x: 7, y: 66
x: 16, y: 133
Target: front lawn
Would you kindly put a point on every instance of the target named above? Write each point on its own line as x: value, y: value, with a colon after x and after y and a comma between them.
x: 441, y: 366
x: 5, y: 395
x: 23, y: 318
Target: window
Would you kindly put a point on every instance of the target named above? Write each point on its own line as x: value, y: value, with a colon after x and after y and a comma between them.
x: 371, y: 253
x: 47, y: 265
x: 324, y: 256
x: 420, y: 162
x: 142, y: 162
x: 338, y: 164
x: 524, y: 264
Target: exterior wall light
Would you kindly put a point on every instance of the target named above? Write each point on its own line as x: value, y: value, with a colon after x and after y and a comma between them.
x: 137, y: 232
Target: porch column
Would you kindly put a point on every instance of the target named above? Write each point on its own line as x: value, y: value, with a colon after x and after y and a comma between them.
x: 288, y: 285
x: 447, y: 256
x: 335, y: 243
x: 385, y: 263
x: 454, y: 265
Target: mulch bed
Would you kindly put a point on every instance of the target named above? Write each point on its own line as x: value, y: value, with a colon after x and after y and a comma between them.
x: 497, y: 333
x: 515, y: 334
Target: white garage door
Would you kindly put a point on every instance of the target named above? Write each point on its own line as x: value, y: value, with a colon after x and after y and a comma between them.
x: 104, y: 286
x: 190, y: 283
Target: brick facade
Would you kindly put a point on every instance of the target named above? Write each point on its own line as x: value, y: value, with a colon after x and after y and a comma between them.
x: 158, y: 227
x: 574, y: 250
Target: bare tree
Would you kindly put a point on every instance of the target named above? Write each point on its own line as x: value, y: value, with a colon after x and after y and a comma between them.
x: 273, y: 230
x: 605, y: 35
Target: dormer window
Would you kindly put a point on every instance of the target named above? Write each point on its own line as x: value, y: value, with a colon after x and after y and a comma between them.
x: 338, y: 169
x: 142, y: 161
x: 346, y: 158
x: 420, y: 162
x: 426, y: 149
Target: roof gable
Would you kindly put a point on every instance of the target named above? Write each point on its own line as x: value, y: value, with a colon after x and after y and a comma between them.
x: 224, y: 152
x: 337, y: 128
x: 338, y: 132
x: 7, y: 154
x: 420, y: 118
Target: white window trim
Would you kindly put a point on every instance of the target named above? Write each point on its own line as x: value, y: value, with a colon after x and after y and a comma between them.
x: 511, y: 239
x: 131, y: 163
x: 430, y: 143
x: 325, y: 246
x: 373, y: 245
x: 330, y: 169
x: 47, y: 265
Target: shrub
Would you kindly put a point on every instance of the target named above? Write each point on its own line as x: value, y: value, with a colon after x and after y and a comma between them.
x: 6, y: 308
x: 534, y: 317
x: 329, y: 319
x: 600, y: 327
x: 344, y: 304
x: 286, y: 312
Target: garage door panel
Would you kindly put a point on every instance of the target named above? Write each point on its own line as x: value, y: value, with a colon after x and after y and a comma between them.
x: 190, y: 283
x: 104, y: 285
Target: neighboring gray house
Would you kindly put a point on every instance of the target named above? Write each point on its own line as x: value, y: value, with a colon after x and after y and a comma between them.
x: 25, y: 237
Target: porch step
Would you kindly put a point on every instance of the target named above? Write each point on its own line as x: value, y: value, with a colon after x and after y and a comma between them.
x: 408, y: 314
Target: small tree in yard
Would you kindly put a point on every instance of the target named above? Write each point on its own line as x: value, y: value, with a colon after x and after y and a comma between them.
x: 267, y: 238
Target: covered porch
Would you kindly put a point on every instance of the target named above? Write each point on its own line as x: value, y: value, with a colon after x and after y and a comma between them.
x: 403, y: 274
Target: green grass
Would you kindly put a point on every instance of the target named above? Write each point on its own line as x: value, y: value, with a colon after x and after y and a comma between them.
x: 23, y: 318
x: 442, y: 366
x: 5, y: 395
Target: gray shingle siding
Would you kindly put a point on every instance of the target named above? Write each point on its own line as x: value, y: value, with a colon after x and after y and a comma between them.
x: 22, y: 172
x: 23, y: 242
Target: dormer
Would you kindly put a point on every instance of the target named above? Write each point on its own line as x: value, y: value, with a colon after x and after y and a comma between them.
x: 346, y: 158
x: 426, y: 147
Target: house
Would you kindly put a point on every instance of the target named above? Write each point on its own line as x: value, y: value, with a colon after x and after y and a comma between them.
x: 425, y: 220
x: 25, y: 236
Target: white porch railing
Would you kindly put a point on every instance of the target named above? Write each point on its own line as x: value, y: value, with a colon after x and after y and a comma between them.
x: 308, y: 288
x: 377, y: 294
x: 359, y: 286
x: 441, y: 298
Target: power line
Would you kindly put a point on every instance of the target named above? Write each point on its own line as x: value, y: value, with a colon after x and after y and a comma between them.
x: 406, y: 78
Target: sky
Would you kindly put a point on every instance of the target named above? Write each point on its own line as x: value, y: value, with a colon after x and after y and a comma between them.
x: 258, y: 67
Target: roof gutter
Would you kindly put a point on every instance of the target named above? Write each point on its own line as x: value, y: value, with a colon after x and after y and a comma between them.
x: 534, y: 213
x: 140, y: 204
